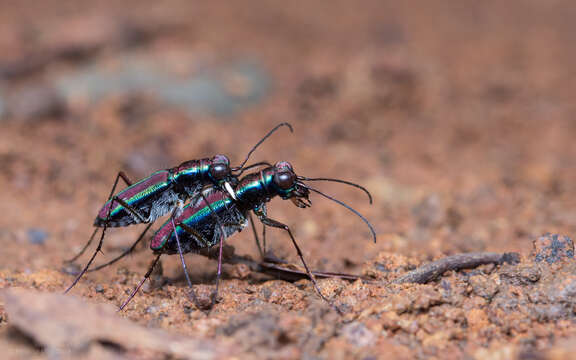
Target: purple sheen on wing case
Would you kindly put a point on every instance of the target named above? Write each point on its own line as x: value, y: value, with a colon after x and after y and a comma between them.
x: 136, y: 191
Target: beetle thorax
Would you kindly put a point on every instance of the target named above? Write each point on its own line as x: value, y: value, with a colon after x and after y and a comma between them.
x: 255, y: 189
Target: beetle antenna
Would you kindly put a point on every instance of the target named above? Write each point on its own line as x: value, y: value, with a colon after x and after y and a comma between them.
x: 346, y: 206
x: 261, y: 163
x: 339, y: 181
x: 260, y: 142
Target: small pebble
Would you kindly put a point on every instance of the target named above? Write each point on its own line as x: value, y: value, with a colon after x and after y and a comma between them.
x: 37, y: 236
x: 152, y: 309
x: 99, y: 288
x: 34, y: 103
x: 358, y: 334
x: 241, y: 271
x: 552, y: 248
x: 71, y: 269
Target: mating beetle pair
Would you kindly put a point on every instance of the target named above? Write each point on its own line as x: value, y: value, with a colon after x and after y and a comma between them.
x: 161, y: 193
x: 213, y: 213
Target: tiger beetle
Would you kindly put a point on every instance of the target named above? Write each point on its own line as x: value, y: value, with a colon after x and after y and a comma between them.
x: 162, y: 192
x: 194, y: 227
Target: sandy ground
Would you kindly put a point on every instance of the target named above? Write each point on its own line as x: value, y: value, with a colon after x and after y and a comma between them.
x: 457, y: 116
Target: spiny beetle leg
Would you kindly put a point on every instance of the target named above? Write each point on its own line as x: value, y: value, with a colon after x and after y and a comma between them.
x: 185, y: 268
x: 273, y: 223
x: 131, y: 249
x: 84, y: 248
x: 99, y: 247
x: 128, y: 207
x: 120, y: 175
x: 124, y: 177
x: 148, y: 273
x: 265, y: 212
x: 255, y: 233
x: 89, y: 262
x: 222, y: 236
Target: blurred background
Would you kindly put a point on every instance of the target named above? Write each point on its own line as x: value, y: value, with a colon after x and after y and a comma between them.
x: 457, y: 115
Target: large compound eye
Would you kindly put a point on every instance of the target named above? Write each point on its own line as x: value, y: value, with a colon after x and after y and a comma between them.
x: 285, y: 179
x: 220, y: 159
x: 219, y: 171
x: 283, y: 166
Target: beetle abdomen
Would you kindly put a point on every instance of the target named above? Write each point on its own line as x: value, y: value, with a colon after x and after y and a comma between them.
x: 201, y: 218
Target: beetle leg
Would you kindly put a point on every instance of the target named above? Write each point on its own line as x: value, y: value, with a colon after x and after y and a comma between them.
x: 132, y: 247
x: 120, y: 175
x: 273, y: 223
x: 148, y: 273
x: 222, y: 236
x: 253, y: 226
x: 75, y: 257
x: 185, y: 268
x: 128, y: 207
x: 124, y: 177
x: 99, y: 247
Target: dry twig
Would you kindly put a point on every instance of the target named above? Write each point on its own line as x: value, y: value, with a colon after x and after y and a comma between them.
x: 433, y: 270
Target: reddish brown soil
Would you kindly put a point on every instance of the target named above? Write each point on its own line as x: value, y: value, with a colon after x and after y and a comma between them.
x: 457, y: 116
